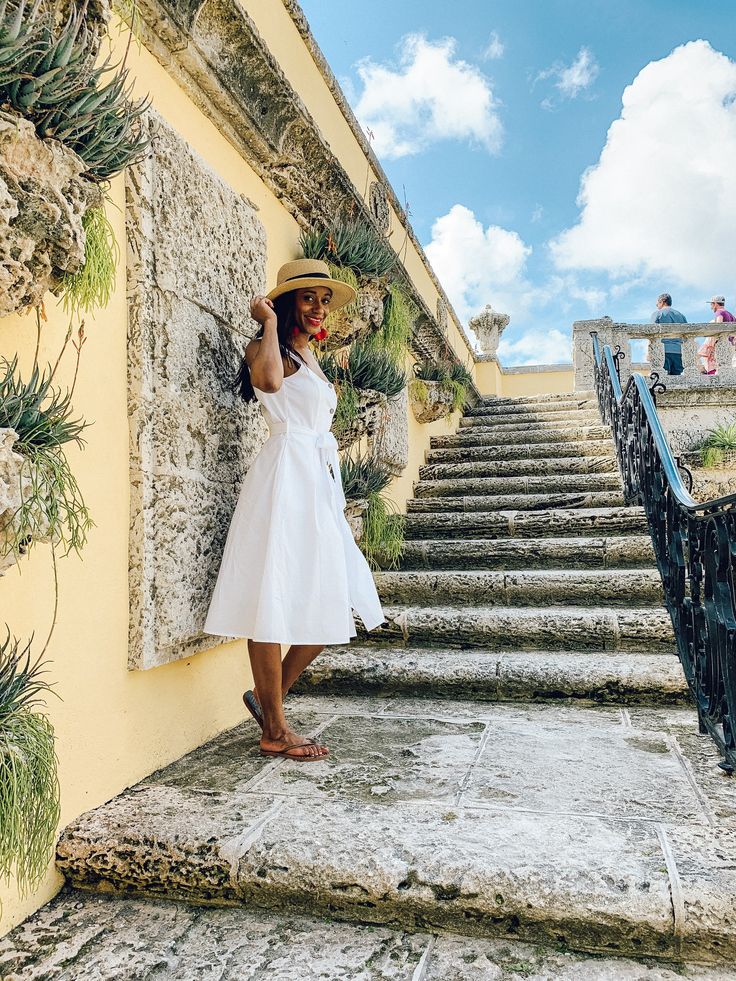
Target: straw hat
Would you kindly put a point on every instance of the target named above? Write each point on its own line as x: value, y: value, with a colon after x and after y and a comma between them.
x: 302, y: 273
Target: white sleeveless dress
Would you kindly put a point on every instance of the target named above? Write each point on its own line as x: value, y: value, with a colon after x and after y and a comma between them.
x: 291, y: 572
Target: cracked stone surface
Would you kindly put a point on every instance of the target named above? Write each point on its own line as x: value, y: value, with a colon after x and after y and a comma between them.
x: 535, y: 822
x: 102, y: 938
x: 516, y: 502
x: 526, y: 409
x: 517, y: 485
x: 538, y: 588
x: 518, y: 468
x: 530, y: 553
x: 506, y: 451
x: 528, y: 524
x: 553, y: 419
x: 580, y: 628
x: 468, y: 437
x: 532, y: 676
x: 43, y: 198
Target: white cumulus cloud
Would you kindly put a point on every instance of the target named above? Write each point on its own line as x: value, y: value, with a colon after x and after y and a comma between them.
x: 495, y: 47
x: 571, y: 80
x: 433, y: 95
x: 536, y: 347
x: 478, y: 265
x: 661, y: 200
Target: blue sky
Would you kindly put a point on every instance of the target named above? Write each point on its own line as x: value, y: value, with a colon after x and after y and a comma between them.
x: 490, y: 115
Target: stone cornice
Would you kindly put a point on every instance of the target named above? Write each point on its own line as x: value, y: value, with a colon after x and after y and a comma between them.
x: 213, y: 49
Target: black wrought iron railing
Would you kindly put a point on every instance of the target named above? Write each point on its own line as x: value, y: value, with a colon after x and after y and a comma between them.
x: 694, y: 545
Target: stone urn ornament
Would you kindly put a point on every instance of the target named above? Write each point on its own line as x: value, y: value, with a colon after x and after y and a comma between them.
x: 488, y: 326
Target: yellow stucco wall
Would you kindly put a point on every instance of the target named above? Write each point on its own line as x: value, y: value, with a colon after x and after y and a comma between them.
x: 537, y: 382
x: 114, y: 726
x: 491, y: 379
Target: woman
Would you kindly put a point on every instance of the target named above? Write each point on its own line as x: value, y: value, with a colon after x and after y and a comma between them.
x: 291, y: 572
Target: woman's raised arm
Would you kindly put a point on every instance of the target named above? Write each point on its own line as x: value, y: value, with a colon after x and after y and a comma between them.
x: 263, y: 356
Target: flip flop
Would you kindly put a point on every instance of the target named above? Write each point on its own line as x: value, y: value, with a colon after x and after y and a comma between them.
x: 251, y: 703
x: 289, y: 754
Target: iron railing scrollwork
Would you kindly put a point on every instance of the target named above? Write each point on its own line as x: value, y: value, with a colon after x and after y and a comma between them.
x: 694, y: 545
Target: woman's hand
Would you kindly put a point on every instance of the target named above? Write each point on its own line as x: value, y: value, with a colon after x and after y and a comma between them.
x: 261, y: 309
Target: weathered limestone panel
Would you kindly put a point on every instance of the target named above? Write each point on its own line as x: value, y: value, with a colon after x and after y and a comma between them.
x: 391, y: 440
x: 196, y: 253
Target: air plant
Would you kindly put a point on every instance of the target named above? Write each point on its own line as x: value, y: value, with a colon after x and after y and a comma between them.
x: 41, y: 415
x: 29, y: 785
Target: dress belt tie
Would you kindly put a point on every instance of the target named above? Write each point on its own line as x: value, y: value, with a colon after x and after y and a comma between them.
x: 326, y: 444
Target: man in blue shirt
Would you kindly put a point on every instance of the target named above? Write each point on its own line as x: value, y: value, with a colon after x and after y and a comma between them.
x: 664, y: 314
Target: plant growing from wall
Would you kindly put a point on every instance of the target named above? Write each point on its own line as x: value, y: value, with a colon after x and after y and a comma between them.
x: 451, y: 378
x: 364, y: 479
x: 29, y: 786
x: 41, y: 415
x: 352, y: 244
x: 719, y: 446
x: 92, y: 286
x: 49, y: 74
x: 395, y: 334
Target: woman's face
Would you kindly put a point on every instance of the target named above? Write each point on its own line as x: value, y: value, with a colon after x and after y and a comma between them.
x: 311, y: 306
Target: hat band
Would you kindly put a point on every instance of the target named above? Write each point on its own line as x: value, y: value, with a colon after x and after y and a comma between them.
x: 314, y: 275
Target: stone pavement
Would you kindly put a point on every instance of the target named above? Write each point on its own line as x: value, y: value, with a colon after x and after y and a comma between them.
x: 516, y: 786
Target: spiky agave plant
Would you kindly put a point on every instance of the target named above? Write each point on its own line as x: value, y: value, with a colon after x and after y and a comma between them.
x: 49, y: 74
x: 29, y: 785
x: 363, y: 476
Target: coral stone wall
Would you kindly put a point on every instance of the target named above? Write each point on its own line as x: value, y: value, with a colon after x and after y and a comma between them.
x: 196, y: 254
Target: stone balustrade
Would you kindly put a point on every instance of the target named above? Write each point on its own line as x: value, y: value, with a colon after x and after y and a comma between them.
x: 619, y: 334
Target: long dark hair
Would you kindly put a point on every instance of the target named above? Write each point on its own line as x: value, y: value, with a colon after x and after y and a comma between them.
x: 285, y: 322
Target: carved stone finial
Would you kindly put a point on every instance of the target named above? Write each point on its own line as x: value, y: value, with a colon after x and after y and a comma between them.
x: 488, y: 326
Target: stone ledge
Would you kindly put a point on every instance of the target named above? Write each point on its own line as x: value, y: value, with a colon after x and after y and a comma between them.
x: 542, y: 822
x: 97, y: 937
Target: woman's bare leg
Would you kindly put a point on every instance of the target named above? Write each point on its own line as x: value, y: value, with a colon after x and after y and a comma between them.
x: 299, y: 657
x: 265, y: 662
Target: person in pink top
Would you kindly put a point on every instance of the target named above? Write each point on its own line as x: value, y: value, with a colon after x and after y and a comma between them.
x: 708, y: 351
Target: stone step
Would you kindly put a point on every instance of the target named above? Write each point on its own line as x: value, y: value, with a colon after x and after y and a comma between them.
x: 538, y: 399
x: 516, y: 502
x: 521, y: 451
x: 486, y: 486
x: 96, y: 937
x: 556, y: 522
x: 540, y: 587
x: 564, y: 417
x: 500, y: 628
x: 529, y: 676
x: 520, y: 468
x: 520, y: 435
x: 526, y: 409
x: 587, y: 828
x: 625, y: 551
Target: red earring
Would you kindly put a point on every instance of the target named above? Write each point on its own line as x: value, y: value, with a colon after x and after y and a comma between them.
x: 320, y: 335
x: 296, y: 331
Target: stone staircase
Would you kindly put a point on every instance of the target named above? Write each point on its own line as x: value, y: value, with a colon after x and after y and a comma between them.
x: 516, y: 787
